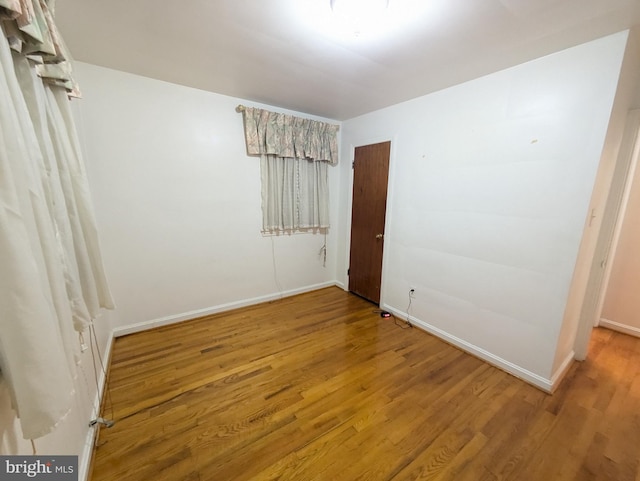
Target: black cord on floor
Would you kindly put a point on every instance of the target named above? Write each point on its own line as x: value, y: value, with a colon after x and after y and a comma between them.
x: 407, y: 324
x: 380, y: 312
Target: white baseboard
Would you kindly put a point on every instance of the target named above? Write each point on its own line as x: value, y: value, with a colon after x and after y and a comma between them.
x: 185, y: 316
x: 562, y: 371
x: 547, y: 385
x: 616, y: 326
x: 87, y: 453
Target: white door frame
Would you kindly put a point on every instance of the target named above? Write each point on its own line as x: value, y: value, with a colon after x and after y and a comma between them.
x: 615, y: 206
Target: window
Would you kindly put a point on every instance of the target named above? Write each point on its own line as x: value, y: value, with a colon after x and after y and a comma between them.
x: 294, y: 158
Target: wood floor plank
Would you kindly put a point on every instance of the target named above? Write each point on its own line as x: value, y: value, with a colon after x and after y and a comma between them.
x: 319, y: 387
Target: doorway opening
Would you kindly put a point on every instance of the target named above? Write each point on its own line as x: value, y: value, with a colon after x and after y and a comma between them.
x: 609, y: 234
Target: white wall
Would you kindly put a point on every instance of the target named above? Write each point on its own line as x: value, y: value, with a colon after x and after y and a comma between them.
x: 490, y: 186
x: 178, y: 202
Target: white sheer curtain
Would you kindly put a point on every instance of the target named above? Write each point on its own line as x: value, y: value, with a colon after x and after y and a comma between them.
x: 52, y: 282
x: 295, y: 194
x: 294, y: 157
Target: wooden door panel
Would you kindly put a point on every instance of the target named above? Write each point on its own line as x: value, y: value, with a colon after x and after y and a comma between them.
x: 370, y: 178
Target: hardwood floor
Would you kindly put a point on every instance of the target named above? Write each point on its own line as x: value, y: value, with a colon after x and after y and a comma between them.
x: 319, y: 387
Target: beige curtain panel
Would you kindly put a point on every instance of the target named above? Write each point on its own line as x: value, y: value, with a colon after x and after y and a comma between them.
x: 52, y: 281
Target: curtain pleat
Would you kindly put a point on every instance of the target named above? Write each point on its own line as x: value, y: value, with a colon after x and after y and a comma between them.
x: 97, y: 280
x: 282, y: 135
x: 52, y: 282
x: 31, y: 336
x: 295, y: 194
x: 35, y: 95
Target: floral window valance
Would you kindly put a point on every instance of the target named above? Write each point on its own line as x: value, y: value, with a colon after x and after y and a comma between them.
x: 282, y: 135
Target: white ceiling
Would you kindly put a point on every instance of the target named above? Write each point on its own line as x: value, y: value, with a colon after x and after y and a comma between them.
x: 287, y: 53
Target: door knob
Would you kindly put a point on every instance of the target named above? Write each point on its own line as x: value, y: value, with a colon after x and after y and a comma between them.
x: 379, y: 236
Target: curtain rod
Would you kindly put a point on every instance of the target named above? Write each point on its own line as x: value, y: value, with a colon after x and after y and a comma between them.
x: 242, y: 108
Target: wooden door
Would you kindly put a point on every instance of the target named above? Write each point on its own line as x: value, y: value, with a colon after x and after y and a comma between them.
x: 370, y: 177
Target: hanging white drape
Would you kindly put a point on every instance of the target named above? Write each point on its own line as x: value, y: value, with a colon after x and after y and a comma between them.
x: 294, y: 158
x: 52, y: 282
